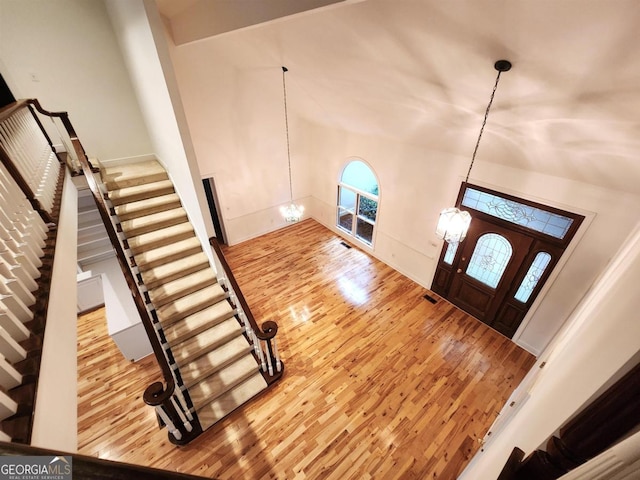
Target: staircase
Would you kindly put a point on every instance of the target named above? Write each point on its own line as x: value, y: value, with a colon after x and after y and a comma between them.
x: 206, y: 342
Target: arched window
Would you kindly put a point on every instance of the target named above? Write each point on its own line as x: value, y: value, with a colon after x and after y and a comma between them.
x: 490, y: 258
x: 358, y: 201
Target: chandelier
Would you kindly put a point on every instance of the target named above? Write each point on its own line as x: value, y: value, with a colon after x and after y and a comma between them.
x: 291, y: 213
x: 453, y: 223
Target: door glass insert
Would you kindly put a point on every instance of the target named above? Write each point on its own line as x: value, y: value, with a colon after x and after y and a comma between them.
x: 542, y: 221
x: 532, y: 277
x: 490, y: 258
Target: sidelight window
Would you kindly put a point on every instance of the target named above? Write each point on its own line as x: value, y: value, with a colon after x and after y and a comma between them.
x: 358, y: 201
x: 531, y: 279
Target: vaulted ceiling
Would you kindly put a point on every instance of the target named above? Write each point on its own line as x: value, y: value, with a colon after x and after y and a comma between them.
x: 421, y: 72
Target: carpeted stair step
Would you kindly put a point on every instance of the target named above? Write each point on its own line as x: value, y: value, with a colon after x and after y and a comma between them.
x: 172, y: 270
x: 147, y: 206
x: 220, y: 382
x: 206, y: 341
x: 198, y: 322
x: 180, y: 287
x: 140, y: 192
x: 159, y: 238
x: 213, y: 361
x: 167, y: 253
x: 229, y: 401
x: 155, y: 221
x: 190, y: 304
x: 133, y: 174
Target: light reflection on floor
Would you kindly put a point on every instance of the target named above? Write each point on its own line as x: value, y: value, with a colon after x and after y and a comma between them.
x: 352, y: 292
x: 301, y: 315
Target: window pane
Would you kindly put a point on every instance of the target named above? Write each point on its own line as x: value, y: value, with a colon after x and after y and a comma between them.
x: 532, y: 277
x: 450, y: 254
x: 515, y: 212
x: 364, y: 231
x: 347, y: 199
x: 345, y: 219
x: 359, y: 175
x: 490, y: 259
x: 368, y: 208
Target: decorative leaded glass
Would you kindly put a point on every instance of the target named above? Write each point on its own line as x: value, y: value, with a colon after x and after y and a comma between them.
x: 490, y: 259
x: 532, y: 277
x: 515, y: 212
x: 450, y: 254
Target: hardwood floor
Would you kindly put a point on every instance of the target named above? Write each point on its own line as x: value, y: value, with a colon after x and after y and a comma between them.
x: 379, y: 382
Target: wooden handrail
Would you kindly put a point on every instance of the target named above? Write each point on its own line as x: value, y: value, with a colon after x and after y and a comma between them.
x: 64, y: 118
x: 269, y: 328
x: 91, y: 468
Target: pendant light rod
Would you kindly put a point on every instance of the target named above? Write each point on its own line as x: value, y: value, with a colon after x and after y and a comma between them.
x: 500, y: 66
x: 286, y: 123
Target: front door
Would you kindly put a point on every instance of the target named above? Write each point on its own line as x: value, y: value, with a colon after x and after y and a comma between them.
x: 511, y: 248
x: 488, y: 265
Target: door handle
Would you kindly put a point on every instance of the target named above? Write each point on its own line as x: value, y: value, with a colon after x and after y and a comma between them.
x: 459, y: 270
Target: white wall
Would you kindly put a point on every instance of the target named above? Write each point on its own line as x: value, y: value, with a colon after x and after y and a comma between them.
x: 65, y: 54
x: 140, y: 33
x: 602, y: 337
x: 237, y: 123
x: 55, y: 420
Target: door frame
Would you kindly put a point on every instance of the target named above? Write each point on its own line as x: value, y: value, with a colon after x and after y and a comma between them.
x: 444, y: 272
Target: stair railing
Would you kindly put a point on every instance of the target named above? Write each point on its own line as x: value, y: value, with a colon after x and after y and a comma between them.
x: 262, y: 339
x: 31, y: 183
x: 28, y: 154
x: 167, y: 400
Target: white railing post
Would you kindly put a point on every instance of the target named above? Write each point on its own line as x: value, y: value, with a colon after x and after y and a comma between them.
x: 276, y: 355
x: 167, y: 421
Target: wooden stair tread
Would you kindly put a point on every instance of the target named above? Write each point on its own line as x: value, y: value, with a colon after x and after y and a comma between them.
x: 140, y: 192
x: 155, y: 221
x: 216, y: 384
x: 190, y: 304
x: 229, y: 401
x: 182, y: 286
x: 198, y: 322
x: 172, y: 270
x: 167, y: 253
x: 147, y: 206
x: 206, y: 341
x: 213, y: 361
x: 158, y: 238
